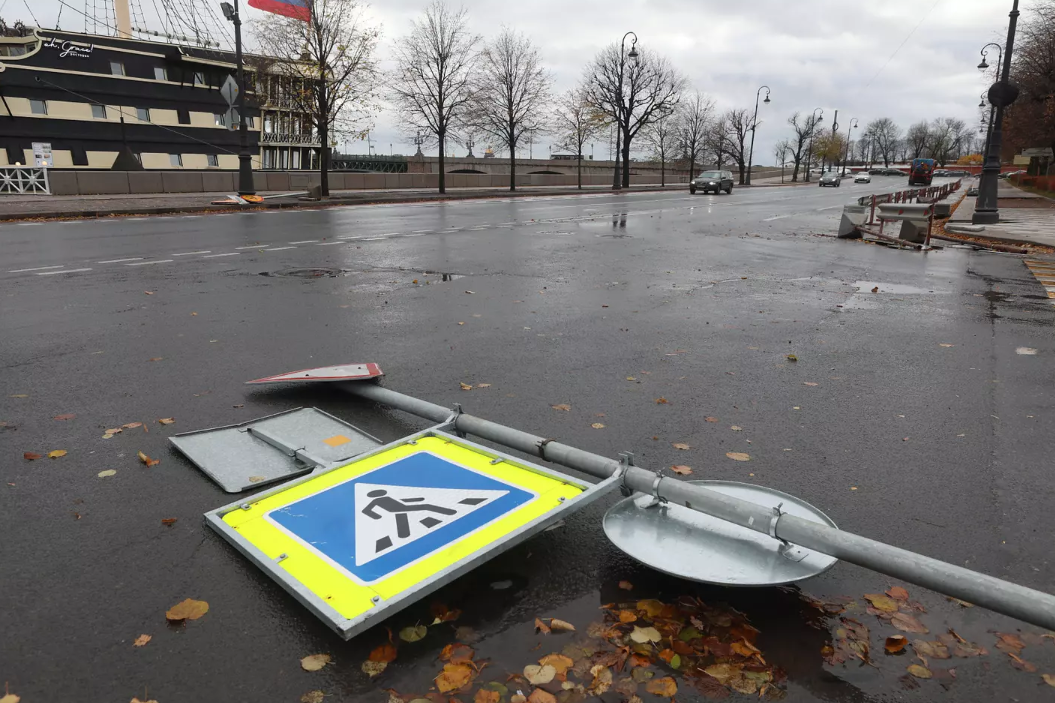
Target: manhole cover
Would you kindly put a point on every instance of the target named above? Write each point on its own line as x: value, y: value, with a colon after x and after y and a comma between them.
x: 307, y: 273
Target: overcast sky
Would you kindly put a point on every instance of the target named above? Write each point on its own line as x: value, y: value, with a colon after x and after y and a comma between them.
x: 832, y: 54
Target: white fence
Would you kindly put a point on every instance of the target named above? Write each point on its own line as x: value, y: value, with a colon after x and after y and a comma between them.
x: 21, y: 180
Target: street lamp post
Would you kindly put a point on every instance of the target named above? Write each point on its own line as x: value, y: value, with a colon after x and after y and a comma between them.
x: 817, y: 119
x: 754, y: 124
x: 992, y: 108
x: 245, y: 159
x: 846, y: 153
x: 1001, y: 94
x: 617, y: 182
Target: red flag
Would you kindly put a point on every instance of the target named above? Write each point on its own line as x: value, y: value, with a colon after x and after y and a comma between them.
x: 297, y: 9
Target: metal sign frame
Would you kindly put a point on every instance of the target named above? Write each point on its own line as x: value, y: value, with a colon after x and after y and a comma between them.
x: 382, y: 608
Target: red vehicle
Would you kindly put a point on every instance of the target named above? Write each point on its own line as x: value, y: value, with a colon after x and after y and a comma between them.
x: 921, y: 173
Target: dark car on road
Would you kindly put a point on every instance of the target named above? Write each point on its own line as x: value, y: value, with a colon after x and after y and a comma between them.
x: 712, y: 180
x: 831, y: 178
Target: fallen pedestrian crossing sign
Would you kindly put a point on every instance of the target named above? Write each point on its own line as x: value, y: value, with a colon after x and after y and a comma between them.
x: 365, y: 538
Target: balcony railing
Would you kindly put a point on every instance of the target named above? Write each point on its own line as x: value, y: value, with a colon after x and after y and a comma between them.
x: 289, y: 138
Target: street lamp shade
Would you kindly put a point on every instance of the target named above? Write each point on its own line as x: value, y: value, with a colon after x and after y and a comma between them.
x: 982, y: 66
x: 766, y: 101
x: 633, y: 53
x: 228, y: 11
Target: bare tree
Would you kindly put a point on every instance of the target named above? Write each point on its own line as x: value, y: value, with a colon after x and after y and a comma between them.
x: 917, y: 138
x: 432, y: 83
x: 634, y: 93
x: 329, y: 67
x: 716, y: 140
x: 947, y: 138
x: 738, y: 124
x: 510, y: 92
x: 782, y: 150
x: 662, y: 137
x: 575, y: 121
x: 693, y: 119
x: 886, y: 135
x: 1030, y: 120
x: 804, y: 128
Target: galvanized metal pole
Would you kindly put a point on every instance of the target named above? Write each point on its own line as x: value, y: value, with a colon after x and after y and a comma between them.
x: 1019, y: 602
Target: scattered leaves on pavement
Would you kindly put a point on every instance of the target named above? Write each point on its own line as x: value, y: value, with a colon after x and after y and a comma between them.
x: 131, y: 425
x: 188, y: 609
x: 314, y: 662
x: 413, y: 633
x: 541, y: 696
x: 946, y: 345
x: 559, y: 662
x: 142, y: 640
x: 792, y: 357
x: 156, y: 358
x: 642, y: 635
x: 662, y: 401
x: 908, y: 623
x: 56, y: 453
x: 383, y: 653
x: 457, y: 653
x: 1009, y: 643
x: 710, y: 418
x: 681, y: 469
x: 557, y: 625
x: 483, y: 385
x: 665, y: 687
x: 1048, y: 679
x: 882, y: 602
x: 897, y: 593
x: 168, y: 521
x: 541, y: 627
x: 312, y: 697
x: 736, y: 428
x: 465, y: 386
x: 372, y: 668
x: 453, y: 677
x: 738, y: 456
x: 930, y: 650
x: 895, y: 644
x: 65, y: 416
x: 961, y: 603
x: 31, y: 456
x: 809, y: 383
x: 602, y: 679
x: 442, y: 613
x: 563, y: 406
x: 626, y: 585
x: 107, y: 473
x: 147, y: 461
x: 1021, y: 664
x: 167, y: 420
x: 598, y: 425
x: 920, y: 672
x: 681, y: 445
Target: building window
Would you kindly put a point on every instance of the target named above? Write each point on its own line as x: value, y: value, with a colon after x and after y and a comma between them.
x: 160, y: 74
x: 183, y: 116
x: 99, y: 111
x: 220, y: 119
x: 117, y: 68
x: 38, y: 107
x: 199, y: 78
x: 79, y: 156
x: 176, y: 160
x: 143, y: 114
x: 214, y: 162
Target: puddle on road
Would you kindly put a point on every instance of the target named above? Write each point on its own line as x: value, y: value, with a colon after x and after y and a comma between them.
x: 317, y: 273
x: 894, y: 288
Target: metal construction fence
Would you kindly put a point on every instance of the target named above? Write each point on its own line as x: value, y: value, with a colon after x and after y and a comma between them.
x: 932, y: 194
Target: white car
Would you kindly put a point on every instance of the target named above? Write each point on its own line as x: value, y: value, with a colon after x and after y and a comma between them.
x: 862, y: 177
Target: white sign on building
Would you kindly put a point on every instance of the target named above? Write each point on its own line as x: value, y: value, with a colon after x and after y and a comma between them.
x: 42, y: 154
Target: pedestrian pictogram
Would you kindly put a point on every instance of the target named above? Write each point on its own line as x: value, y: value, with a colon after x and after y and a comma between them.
x: 388, y: 517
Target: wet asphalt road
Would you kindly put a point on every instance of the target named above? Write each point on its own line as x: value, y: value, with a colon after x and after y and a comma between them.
x: 925, y: 428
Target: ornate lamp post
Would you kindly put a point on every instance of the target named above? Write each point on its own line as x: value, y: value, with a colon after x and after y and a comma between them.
x: 1001, y: 94
x: 617, y: 182
x: 754, y: 124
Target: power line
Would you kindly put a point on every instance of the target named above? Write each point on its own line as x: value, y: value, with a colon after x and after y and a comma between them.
x: 925, y: 15
x: 26, y: 2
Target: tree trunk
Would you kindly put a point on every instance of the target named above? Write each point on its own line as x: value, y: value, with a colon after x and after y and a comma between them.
x: 442, y: 136
x: 512, y: 166
x: 579, y: 168
x: 795, y: 172
x: 742, y: 176
x: 662, y: 172
x: 324, y: 139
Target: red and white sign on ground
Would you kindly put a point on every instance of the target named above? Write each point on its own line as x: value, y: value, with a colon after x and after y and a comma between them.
x: 343, y: 372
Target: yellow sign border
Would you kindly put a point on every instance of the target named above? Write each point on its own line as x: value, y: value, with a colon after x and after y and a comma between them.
x: 333, y: 585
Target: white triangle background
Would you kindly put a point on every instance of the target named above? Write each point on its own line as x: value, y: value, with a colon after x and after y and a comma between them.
x: 369, y: 531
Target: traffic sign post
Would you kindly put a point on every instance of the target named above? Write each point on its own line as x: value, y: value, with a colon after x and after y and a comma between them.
x: 360, y: 541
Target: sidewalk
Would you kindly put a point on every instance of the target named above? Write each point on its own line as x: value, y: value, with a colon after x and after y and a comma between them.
x: 1025, y: 218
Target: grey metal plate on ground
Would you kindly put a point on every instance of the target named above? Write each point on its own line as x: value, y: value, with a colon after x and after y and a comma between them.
x: 239, y: 458
x: 683, y: 542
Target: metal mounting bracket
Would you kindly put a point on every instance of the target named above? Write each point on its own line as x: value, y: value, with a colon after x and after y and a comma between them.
x: 787, y: 550
x: 657, y: 499
x: 626, y: 460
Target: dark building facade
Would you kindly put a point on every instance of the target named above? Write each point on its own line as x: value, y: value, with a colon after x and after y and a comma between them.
x: 90, y: 98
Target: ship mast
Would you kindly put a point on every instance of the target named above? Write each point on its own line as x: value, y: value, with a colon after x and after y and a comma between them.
x: 124, y: 19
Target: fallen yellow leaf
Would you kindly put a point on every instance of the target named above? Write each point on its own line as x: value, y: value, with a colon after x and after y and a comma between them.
x: 920, y: 672
x: 312, y: 697
x: 598, y: 425
x: 372, y: 669
x: 453, y: 677
x: 56, y: 453
x: 559, y: 662
x: 167, y: 420
x: 142, y: 640
x: 538, y: 674
x: 662, y: 401
x: 1048, y: 679
x: 413, y: 634
x: 641, y: 635
x: 147, y: 460
x: 681, y: 470
x: 483, y: 385
x: 188, y: 609
x: 738, y: 456
x: 563, y: 406
x: 665, y: 687
x: 107, y: 473
x: 465, y: 386
x: 560, y: 625
x: 681, y: 445
x: 314, y: 662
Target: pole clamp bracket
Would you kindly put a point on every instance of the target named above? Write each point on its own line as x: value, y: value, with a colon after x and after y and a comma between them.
x: 452, y: 420
x: 657, y: 499
x: 791, y: 552
x: 541, y: 447
x: 626, y: 460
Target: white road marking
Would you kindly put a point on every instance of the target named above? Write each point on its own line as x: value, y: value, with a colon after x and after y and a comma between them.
x: 421, y: 234
x: 120, y: 261
x: 29, y: 224
x: 305, y: 241
x: 213, y: 256
x: 191, y: 217
x: 279, y: 248
x: 372, y: 239
x: 777, y: 217
x: 833, y: 207
x: 477, y: 229
x: 191, y: 253
x: 255, y: 246
x: 423, y: 231
x: 148, y: 263
x: 328, y: 244
x: 38, y: 268
x: 52, y: 273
